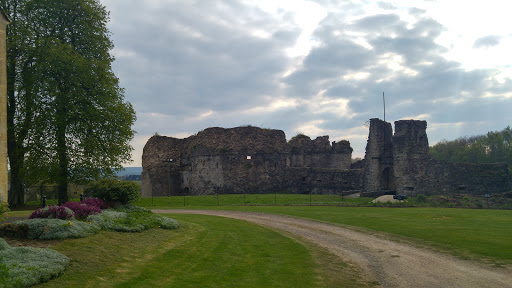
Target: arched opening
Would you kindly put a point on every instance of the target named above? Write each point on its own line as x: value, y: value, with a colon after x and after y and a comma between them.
x: 387, y: 179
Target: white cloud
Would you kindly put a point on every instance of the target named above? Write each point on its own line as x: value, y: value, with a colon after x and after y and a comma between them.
x: 313, y: 67
x: 311, y: 128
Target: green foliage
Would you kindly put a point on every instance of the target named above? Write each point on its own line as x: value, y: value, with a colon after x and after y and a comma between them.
x: 114, y: 221
x: 420, y: 198
x: 493, y: 147
x: 48, y: 229
x: 27, y: 266
x: 53, y: 211
x: 4, y: 208
x: 63, y: 95
x: 131, y: 219
x: 298, y: 137
x: 3, y: 245
x: 111, y: 191
x: 168, y: 223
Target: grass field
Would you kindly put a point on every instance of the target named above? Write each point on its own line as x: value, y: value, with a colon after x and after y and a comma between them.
x: 220, y: 251
x: 471, y: 233
x: 205, y: 252
x: 253, y: 200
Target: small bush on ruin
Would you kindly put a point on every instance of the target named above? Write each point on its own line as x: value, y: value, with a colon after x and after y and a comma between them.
x: 53, y: 211
x: 81, y: 211
x: 114, y: 191
x: 420, y: 198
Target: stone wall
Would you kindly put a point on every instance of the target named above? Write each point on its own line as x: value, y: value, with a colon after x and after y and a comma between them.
x: 319, y: 153
x: 243, y: 160
x: 414, y: 171
x: 324, y: 181
x: 255, y: 160
x: 477, y: 179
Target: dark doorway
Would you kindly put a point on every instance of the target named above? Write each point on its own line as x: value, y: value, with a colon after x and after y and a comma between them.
x: 387, y: 179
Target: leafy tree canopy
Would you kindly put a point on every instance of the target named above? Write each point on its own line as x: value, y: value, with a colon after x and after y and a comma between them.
x: 493, y: 147
x: 67, y: 118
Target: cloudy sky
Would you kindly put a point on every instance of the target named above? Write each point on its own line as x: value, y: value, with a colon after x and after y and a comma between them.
x: 313, y: 67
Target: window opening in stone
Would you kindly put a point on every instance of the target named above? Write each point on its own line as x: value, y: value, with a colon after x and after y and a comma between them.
x: 249, y: 157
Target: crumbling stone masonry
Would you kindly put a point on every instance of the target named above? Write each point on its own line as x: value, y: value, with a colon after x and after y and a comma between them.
x: 255, y: 160
x: 410, y: 169
x: 378, y: 163
x: 246, y: 160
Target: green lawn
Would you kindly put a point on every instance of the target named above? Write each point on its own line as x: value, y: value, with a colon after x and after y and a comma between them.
x: 222, y: 252
x: 466, y: 232
x: 252, y: 200
x: 472, y: 233
x: 206, y: 251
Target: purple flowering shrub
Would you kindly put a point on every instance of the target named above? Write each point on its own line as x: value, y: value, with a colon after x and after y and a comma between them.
x: 82, y: 210
x: 53, y: 211
x: 94, y: 202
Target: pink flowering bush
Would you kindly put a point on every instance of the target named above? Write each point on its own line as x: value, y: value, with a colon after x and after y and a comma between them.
x: 94, y: 202
x: 53, y: 211
x: 82, y: 210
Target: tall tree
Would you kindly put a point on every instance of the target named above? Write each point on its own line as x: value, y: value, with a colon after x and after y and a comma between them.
x: 490, y: 148
x: 69, y: 120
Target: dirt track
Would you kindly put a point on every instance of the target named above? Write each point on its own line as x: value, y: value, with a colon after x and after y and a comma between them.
x: 390, y: 263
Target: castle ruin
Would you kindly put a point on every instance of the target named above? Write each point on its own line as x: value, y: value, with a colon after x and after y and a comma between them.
x: 255, y: 160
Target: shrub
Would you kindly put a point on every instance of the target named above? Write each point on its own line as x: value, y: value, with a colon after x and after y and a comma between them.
x: 112, y: 191
x: 3, y: 244
x: 114, y: 221
x: 27, y: 266
x: 94, y: 202
x: 81, y: 211
x: 420, y: 198
x: 48, y: 229
x: 168, y: 223
x: 53, y: 211
x: 4, y: 207
x: 131, y: 219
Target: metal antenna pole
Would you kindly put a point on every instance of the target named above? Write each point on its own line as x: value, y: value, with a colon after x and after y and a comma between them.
x: 384, y: 101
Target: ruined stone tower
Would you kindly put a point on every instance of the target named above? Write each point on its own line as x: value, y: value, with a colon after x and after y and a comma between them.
x: 378, y: 167
x: 411, y: 155
x: 402, y: 164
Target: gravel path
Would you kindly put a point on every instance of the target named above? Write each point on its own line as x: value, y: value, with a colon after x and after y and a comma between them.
x: 390, y: 263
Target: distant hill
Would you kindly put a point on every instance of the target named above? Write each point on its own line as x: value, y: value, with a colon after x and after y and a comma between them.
x: 127, y: 171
